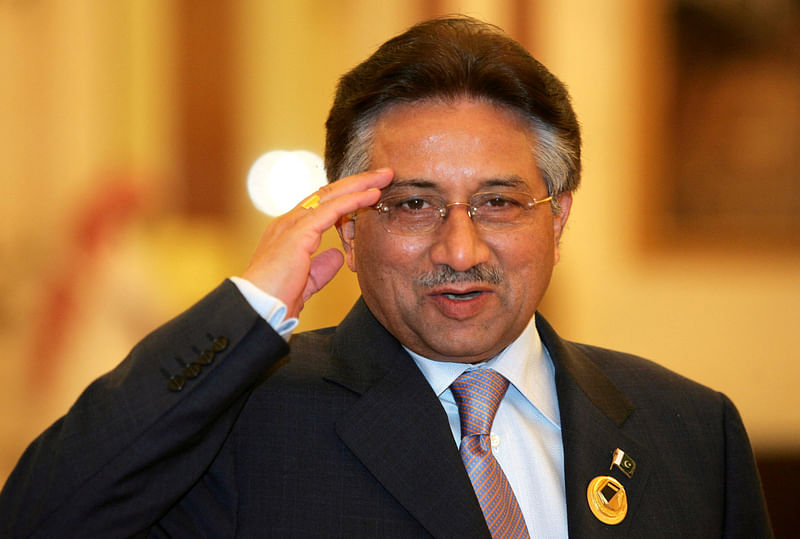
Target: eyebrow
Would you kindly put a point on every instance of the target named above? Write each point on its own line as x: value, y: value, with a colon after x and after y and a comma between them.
x: 506, y: 181
x: 512, y: 180
x: 412, y: 183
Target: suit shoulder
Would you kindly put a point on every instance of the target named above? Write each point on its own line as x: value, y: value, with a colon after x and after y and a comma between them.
x: 637, y: 375
x: 313, y: 340
x: 309, y: 360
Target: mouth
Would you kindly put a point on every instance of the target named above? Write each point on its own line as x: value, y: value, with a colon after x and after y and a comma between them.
x: 461, y: 303
x: 464, y: 296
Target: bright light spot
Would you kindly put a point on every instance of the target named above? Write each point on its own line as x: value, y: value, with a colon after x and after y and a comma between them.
x: 280, y: 180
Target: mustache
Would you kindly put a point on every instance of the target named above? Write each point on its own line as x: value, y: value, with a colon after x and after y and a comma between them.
x: 447, y: 275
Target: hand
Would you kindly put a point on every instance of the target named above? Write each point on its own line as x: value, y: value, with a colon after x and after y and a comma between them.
x: 283, y: 265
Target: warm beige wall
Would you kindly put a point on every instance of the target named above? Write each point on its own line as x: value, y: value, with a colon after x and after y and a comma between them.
x: 87, y: 86
x: 85, y: 102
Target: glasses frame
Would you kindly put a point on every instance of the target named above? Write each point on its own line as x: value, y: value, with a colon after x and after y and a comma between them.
x: 443, y: 207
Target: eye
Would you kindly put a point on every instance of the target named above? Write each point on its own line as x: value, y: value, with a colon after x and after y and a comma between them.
x: 497, y: 201
x: 412, y: 204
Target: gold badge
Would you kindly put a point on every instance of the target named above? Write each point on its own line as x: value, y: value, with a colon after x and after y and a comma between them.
x: 607, y: 499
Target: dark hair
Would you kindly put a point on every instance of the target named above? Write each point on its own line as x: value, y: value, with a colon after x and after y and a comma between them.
x: 449, y: 58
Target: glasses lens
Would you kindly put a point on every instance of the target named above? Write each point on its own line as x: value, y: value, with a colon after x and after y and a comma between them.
x: 499, y: 210
x: 410, y: 214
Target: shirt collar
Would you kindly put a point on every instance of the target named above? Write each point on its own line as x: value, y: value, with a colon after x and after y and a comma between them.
x: 525, y: 363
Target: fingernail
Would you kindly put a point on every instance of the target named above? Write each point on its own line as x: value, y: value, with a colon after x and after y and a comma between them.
x: 383, y: 170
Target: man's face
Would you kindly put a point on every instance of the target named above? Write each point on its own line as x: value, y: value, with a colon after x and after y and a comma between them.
x: 454, y: 151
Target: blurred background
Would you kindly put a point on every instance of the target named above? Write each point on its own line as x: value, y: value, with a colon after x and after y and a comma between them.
x: 127, y: 130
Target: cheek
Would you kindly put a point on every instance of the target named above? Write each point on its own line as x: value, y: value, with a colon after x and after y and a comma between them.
x: 524, y: 256
x: 376, y: 251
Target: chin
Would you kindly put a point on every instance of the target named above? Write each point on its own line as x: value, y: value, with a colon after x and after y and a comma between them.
x: 469, y: 352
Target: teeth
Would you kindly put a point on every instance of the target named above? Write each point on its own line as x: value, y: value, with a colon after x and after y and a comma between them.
x: 462, y: 297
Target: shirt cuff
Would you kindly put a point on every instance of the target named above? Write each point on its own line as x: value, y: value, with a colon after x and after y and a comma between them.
x: 267, y: 306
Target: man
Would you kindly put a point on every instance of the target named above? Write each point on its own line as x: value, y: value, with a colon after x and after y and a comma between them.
x: 442, y: 405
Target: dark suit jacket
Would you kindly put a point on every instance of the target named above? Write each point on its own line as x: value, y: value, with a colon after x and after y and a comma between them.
x: 341, y: 436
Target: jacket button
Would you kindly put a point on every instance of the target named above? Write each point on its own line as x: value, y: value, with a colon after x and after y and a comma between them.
x: 219, y: 344
x: 205, y: 357
x: 191, y: 370
x: 176, y: 382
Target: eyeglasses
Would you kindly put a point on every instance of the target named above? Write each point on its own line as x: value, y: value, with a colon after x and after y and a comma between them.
x: 411, y: 215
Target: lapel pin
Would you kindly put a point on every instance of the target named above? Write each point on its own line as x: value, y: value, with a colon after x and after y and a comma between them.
x: 624, y: 462
x: 607, y: 500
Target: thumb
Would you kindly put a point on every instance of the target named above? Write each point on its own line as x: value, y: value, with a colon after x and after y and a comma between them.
x: 324, y: 267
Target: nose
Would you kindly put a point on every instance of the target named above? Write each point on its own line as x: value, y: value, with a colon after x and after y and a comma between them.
x: 457, y: 242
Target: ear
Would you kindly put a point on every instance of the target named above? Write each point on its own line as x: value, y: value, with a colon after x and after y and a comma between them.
x: 560, y: 220
x: 346, y: 227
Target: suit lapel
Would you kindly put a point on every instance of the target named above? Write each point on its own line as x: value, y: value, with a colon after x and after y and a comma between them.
x: 399, y: 430
x: 593, y: 412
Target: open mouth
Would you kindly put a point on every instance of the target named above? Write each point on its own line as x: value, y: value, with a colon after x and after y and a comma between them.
x: 463, y: 304
x: 462, y: 297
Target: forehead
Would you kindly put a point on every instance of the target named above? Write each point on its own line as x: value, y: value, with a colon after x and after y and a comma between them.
x: 466, y: 143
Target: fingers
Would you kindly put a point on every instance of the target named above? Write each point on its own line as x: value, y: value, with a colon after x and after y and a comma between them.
x: 373, y: 179
x: 348, y: 194
x: 324, y: 208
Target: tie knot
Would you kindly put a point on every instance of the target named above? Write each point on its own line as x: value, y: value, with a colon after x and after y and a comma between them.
x: 478, y: 393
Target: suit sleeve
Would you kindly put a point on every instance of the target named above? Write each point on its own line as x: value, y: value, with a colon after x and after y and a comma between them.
x: 745, y: 509
x: 140, y: 436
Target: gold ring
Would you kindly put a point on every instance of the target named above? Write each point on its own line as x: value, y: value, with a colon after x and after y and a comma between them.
x: 311, y: 202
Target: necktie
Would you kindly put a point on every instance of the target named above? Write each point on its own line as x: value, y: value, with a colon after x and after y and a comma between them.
x: 478, y: 393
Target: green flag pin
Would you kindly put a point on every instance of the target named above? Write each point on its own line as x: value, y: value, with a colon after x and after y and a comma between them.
x: 624, y: 462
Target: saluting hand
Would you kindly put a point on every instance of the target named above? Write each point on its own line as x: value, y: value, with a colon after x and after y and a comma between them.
x: 283, y: 265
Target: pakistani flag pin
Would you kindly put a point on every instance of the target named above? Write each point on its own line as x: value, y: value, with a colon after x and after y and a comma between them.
x: 624, y: 462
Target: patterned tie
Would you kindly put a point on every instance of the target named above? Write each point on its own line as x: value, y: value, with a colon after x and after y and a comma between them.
x: 478, y: 393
